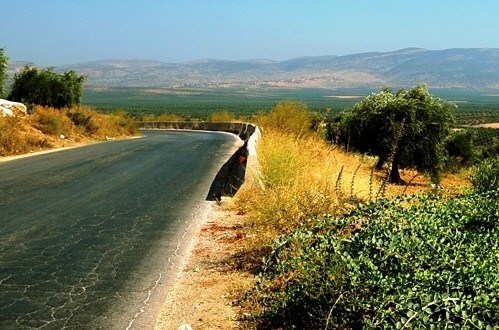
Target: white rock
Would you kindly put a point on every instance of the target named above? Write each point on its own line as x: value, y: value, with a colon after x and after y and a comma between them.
x: 4, y: 112
x: 12, y: 109
x: 184, y: 327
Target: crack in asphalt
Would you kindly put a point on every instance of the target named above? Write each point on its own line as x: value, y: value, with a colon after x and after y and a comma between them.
x: 90, y: 236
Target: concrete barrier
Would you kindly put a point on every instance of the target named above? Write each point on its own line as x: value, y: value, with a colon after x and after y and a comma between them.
x: 243, y: 130
x: 242, y: 166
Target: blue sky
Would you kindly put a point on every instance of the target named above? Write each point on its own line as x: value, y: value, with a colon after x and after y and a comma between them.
x: 56, y: 32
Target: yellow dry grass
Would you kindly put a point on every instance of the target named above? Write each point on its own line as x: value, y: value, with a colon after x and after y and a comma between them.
x: 301, y: 177
x: 50, y: 128
x: 304, y: 178
x: 221, y: 117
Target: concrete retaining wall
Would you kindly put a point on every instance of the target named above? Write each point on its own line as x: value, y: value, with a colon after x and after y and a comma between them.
x: 242, y: 167
x: 243, y: 130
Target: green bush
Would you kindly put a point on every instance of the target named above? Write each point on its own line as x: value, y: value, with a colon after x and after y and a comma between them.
x: 486, y: 175
x: 45, y: 87
x: 491, y: 149
x: 460, y: 147
x: 416, y: 262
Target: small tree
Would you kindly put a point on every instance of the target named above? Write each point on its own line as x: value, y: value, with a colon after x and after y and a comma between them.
x: 407, y: 129
x: 460, y: 147
x: 47, y: 88
x: 3, y: 70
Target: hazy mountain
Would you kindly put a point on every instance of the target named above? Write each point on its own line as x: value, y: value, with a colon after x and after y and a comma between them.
x: 459, y: 68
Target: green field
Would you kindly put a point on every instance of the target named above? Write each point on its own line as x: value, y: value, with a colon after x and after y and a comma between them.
x: 198, y: 102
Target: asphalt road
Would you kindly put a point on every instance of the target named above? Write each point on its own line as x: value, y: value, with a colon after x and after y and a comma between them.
x: 87, y: 235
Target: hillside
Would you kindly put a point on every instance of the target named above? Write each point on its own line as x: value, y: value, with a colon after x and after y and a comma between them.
x: 451, y: 68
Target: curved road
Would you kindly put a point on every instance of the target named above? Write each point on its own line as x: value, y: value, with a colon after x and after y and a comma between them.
x: 87, y: 235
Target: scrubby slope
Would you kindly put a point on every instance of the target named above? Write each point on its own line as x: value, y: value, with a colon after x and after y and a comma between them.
x: 51, y: 128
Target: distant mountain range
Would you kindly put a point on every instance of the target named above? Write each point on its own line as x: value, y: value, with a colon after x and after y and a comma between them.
x: 476, y: 69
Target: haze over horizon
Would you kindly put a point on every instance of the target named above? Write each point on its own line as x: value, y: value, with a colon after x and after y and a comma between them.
x: 67, y: 32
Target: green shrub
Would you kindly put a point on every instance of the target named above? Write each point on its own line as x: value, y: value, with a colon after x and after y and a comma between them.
x: 486, y: 175
x: 460, y: 147
x: 491, y: 149
x: 419, y: 262
x: 46, y: 88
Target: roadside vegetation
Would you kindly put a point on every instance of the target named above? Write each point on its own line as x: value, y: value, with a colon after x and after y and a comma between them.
x: 34, y: 86
x: 50, y: 128
x: 405, y: 129
x: 385, y: 216
x: 343, y: 248
x: 55, y: 117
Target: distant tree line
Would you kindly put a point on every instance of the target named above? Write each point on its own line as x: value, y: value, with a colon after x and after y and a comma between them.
x: 34, y: 86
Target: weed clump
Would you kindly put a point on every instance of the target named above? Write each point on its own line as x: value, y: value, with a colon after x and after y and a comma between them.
x: 287, y: 117
x: 10, y: 141
x: 82, y: 119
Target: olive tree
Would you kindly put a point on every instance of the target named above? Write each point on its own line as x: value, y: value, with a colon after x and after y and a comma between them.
x: 407, y: 129
x: 3, y: 70
x: 45, y: 87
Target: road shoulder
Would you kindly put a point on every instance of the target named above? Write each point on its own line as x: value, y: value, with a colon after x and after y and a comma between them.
x: 203, y: 292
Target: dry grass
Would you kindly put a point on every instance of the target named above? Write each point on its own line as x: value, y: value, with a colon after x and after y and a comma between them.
x: 17, y: 138
x: 221, y: 117
x: 303, y: 179
x: 52, y: 121
x: 49, y: 128
x: 170, y: 117
x: 306, y: 178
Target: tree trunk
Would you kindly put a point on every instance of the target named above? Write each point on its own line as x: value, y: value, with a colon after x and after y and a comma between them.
x: 394, y: 173
x: 380, y: 163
